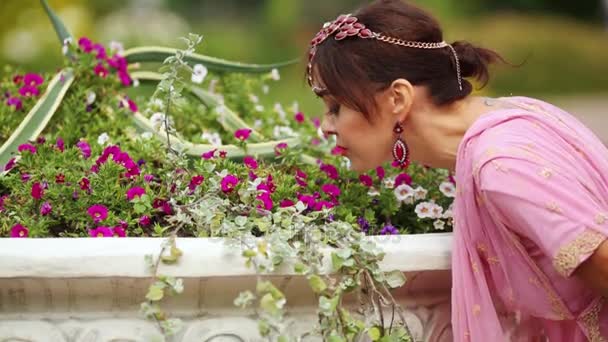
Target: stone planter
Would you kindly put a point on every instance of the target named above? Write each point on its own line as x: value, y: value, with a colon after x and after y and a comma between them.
x: 77, y: 290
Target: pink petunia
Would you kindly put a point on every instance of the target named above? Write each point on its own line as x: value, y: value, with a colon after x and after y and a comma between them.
x: 101, y: 232
x: 380, y: 172
x: 331, y: 189
x: 242, y: 134
x: 37, y: 191
x: 33, y: 79
x: 118, y: 62
x: 223, y: 154
x: 46, y: 208
x: 19, y: 231
x: 315, y: 141
x: 280, y: 148
x: 98, y: 212
x: 135, y: 191
x: 119, y: 231
x: 101, y: 51
x: 366, y: 180
x: 11, y: 163
x: 286, y: 203
x: 100, y: 70
x: 208, y: 155
x: 316, y: 122
x: 309, y: 200
x: 60, y: 144
x: 125, y: 78
x: 2, y: 198
x: 144, y: 221
x: 195, y: 181
x: 127, y: 102
x: 85, y: 184
x: 229, y: 182
x: 84, y: 147
x: 27, y: 147
x: 299, y: 117
x: 403, y: 178
x: 250, y: 162
x: 323, y: 204
x: 28, y: 90
x: 25, y: 177
x: 266, y: 200
x: 148, y: 178
x: 17, y: 79
x: 15, y: 102
x: 85, y: 44
x: 330, y: 170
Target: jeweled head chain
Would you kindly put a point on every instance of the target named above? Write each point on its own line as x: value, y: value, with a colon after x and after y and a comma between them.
x: 347, y: 25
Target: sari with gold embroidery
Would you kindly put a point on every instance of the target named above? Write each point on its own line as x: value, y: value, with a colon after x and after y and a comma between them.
x: 531, y: 205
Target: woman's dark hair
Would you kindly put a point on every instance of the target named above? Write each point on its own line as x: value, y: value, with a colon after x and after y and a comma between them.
x: 354, y: 69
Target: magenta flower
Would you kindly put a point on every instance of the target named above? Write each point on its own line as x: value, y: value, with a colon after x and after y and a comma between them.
x: 242, y: 134
x: 101, y: 232
x: 17, y: 79
x: 101, y: 51
x: 286, y: 203
x: 125, y: 79
x: 280, y: 148
x: 315, y: 141
x: 25, y: 177
x: 15, y: 102
x: 451, y: 179
x: 331, y: 189
x: 403, y: 178
x: 132, y: 105
x: 380, y: 172
x: 366, y: 180
x: 299, y: 117
x: 19, y: 231
x: 37, y: 191
x: 27, y: 147
x: 252, y: 175
x: 316, y: 122
x: 117, y: 62
x: 229, y: 182
x: 301, y: 178
x: 2, y: 198
x: 223, y: 154
x: 309, y: 200
x: 45, y: 209
x: 85, y: 184
x: 85, y: 44
x: 250, y: 162
x: 144, y: 221
x: 100, y: 70
x: 148, y: 178
x: 98, y: 212
x: 208, y: 155
x: 330, y: 171
x: 9, y: 166
x: 60, y: 144
x: 135, y: 191
x: 323, y: 204
x: 338, y: 151
x: 27, y: 91
x: 195, y: 181
x: 119, y: 231
x: 33, y: 79
x: 84, y: 147
x: 266, y: 200
x: 60, y: 178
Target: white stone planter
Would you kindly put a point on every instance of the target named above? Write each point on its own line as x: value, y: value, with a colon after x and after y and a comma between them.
x: 77, y: 290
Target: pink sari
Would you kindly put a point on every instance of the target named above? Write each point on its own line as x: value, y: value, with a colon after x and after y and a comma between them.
x: 532, y: 205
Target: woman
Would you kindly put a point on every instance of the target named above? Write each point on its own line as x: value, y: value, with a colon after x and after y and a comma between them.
x: 531, y: 214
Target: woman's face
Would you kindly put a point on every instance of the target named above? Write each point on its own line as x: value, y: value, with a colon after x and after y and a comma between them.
x: 367, y: 144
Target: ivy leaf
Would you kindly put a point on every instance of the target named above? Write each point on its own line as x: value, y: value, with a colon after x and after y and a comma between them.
x: 300, y: 268
x: 155, y: 292
x: 395, y: 279
x: 327, y: 306
x: 336, y: 338
x: 317, y: 284
x: 269, y: 304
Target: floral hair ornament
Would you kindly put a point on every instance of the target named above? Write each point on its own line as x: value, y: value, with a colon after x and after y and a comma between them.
x: 347, y: 25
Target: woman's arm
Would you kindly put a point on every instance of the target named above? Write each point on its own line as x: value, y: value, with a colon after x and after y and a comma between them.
x: 594, y: 271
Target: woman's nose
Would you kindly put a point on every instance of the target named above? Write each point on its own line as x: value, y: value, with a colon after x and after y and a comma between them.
x: 327, y: 127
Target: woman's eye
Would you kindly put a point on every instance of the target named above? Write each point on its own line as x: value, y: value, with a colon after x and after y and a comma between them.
x: 334, y: 109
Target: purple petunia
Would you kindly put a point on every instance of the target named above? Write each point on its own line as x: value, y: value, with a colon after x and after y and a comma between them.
x: 37, y: 191
x: 45, y: 209
x: 85, y: 148
x: 19, y: 231
x: 101, y: 232
x: 27, y: 147
x: 250, y: 162
x: 366, y: 180
x: 135, y: 191
x: 331, y: 189
x: 229, y: 182
x: 98, y: 212
x: 389, y: 230
x: 242, y: 134
x: 15, y: 102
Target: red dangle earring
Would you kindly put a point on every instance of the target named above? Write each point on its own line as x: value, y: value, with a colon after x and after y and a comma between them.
x: 401, y: 153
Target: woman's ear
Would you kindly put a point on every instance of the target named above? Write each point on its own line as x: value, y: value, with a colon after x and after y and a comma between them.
x: 401, y: 97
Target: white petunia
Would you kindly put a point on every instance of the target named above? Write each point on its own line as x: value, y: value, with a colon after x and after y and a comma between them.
x: 283, y: 131
x: 116, y: 47
x: 279, y: 110
x: 389, y: 182
x: 254, y: 98
x: 373, y: 192
x: 420, y: 193
x: 65, y: 47
x: 320, y: 133
x: 448, y: 189
x: 158, y: 121
x: 439, y: 224
x: 91, y: 97
x: 346, y: 163
x: 437, y: 211
x: 221, y: 109
x: 212, y: 137
x: 259, y: 108
x: 199, y: 72
x: 404, y: 192
x: 448, y: 214
x: 274, y: 74
x: 424, y: 210
x: 212, y: 85
x: 103, y: 138
x: 135, y: 82
x: 295, y: 107
x: 257, y: 123
x: 265, y: 89
x: 146, y: 135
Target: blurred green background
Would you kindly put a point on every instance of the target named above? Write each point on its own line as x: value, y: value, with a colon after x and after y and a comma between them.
x: 564, y: 43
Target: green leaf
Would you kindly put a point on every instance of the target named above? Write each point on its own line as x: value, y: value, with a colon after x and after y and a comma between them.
x: 159, y: 54
x: 317, y: 284
x: 300, y: 268
x: 336, y: 338
x: 39, y: 116
x: 395, y: 279
x: 374, y: 333
x: 249, y: 253
x: 327, y: 306
x: 60, y: 29
x: 269, y: 304
x: 155, y: 293
x: 336, y: 262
